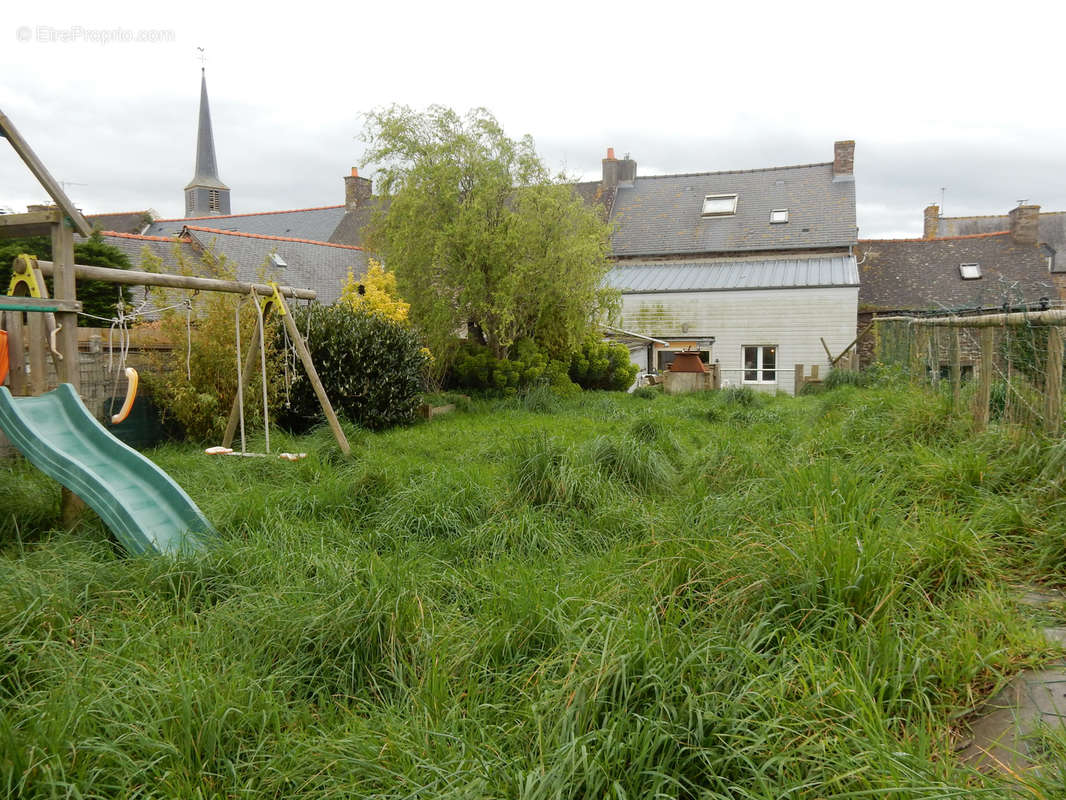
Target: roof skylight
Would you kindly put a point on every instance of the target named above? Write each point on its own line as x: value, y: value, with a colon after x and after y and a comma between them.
x: 970, y: 271
x: 778, y: 215
x: 719, y: 205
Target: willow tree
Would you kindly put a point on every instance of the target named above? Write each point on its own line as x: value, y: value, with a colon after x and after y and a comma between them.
x: 482, y: 235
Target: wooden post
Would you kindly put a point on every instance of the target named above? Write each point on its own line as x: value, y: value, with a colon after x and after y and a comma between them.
x: 312, y: 374
x: 1053, y: 383
x: 36, y: 338
x: 798, y: 378
x: 934, y: 357
x: 16, y: 353
x: 956, y: 368
x: 814, y: 372
x: 63, y: 281
x: 919, y: 337
x: 984, y: 380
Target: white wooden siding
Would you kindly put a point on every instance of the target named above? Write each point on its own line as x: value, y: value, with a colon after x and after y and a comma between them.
x: 792, y: 319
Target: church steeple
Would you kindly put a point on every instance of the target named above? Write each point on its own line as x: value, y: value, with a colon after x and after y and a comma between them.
x: 206, y: 194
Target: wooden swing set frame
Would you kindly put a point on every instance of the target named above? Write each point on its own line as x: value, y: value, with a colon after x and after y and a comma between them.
x: 61, y: 331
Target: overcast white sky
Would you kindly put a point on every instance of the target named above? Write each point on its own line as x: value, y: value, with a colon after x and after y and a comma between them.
x: 935, y: 94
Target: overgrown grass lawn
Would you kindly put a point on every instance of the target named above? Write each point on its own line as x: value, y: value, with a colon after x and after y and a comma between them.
x: 716, y: 596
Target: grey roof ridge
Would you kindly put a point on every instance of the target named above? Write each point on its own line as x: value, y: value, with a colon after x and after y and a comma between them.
x: 741, y: 288
x: 993, y: 216
x: 251, y: 213
x: 637, y: 260
x: 736, y: 171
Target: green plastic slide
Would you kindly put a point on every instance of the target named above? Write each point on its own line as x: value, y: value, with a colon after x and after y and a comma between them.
x: 142, y: 505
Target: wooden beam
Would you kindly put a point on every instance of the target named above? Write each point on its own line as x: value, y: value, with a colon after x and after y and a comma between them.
x: 854, y: 342
x: 312, y: 374
x: 31, y: 223
x: 1053, y: 384
x: 37, y: 167
x: 38, y: 347
x: 131, y: 277
x: 1051, y: 317
x: 63, y: 286
x: 828, y: 352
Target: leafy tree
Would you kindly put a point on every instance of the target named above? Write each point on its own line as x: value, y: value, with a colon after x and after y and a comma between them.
x: 97, y: 297
x: 375, y: 293
x: 479, y: 233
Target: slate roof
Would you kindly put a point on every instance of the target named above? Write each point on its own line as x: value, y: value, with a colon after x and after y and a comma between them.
x: 169, y: 251
x: 1051, y: 229
x: 661, y: 215
x: 314, y: 224
x: 350, y: 229
x: 923, y: 274
x: 121, y: 221
x: 718, y: 275
x: 310, y: 265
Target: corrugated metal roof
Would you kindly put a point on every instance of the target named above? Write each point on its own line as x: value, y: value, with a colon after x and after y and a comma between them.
x: 702, y: 276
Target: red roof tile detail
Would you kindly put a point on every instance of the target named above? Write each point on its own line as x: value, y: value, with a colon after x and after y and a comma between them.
x: 264, y: 236
x: 941, y: 238
x: 252, y: 214
x: 141, y: 236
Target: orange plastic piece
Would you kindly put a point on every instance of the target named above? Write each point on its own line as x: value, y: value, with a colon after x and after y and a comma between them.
x: 131, y: 395
x: 3, y: 356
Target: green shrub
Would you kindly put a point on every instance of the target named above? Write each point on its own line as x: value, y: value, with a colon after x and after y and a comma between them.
x: 371, y: 368
x: 477, y: 369
x: 648, y: 392
x: 601, y: 365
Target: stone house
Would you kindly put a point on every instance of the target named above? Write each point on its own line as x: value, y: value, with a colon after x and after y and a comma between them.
x: 752, y: 268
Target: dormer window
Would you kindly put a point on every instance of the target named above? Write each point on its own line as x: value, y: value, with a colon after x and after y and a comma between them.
x: 778, y: 216
x: 719, y: 205
x: 970, y: 272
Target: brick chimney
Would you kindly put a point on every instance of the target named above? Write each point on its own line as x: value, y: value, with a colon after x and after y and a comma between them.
x: 356, y: 190
x: 844, y: 160
x: 617, y: 170
x: 932, y: 222
x: 1025, y: 224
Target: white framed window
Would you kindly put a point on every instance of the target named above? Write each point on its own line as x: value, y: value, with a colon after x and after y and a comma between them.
x: 719, y: 205
x: 970, y: 272
x: 212, y: 199
x: 760, y: 363
x: 778, y: 216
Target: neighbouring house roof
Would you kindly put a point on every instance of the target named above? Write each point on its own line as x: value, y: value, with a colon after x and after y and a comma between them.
x: 1051, y: 228
x: 659, y: 215
x: 728, y: 274
x: 170, y: 251
x: 320, y: 266
x: 312, y: 224
x: 924, y: 274
x: 351, y: 226
x: 122, y: 221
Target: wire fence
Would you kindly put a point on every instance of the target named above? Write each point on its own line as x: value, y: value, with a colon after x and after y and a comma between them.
x: 1003, y: 365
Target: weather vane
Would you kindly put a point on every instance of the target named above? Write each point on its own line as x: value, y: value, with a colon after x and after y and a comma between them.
x: 203, y: 58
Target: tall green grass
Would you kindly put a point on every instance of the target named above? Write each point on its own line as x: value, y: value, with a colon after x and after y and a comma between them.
x: 714, y: 596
